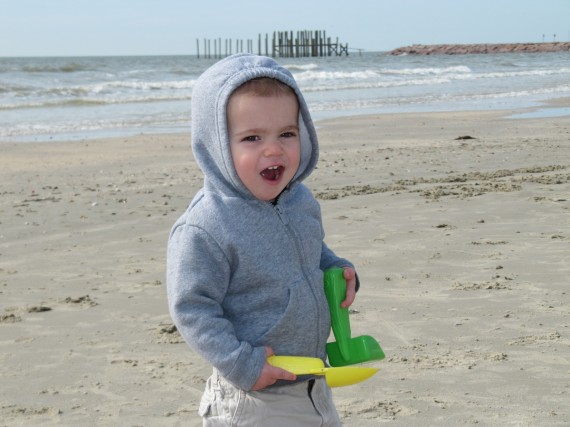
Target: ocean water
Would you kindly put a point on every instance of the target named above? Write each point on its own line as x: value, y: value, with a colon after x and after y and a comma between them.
x: 74, y: 98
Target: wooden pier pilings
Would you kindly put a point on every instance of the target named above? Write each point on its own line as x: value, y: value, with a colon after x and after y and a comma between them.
x: 284, y: 44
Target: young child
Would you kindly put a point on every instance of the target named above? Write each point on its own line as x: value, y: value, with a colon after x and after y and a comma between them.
x: 246, y: 260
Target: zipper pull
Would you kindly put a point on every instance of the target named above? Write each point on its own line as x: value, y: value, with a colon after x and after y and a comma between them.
x: 282, y: 216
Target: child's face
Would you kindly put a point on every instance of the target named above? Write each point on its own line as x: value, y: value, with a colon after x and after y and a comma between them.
x: 264, y: 141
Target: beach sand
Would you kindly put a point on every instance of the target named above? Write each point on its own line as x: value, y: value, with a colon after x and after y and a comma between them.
x: 462, y: 247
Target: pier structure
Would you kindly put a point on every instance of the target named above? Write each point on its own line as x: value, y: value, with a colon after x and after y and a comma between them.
x: 283, y: 44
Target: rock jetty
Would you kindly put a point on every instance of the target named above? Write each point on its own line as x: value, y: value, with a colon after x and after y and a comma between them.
x: 468, y: 49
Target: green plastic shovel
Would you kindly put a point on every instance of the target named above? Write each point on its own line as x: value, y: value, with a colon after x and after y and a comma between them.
x: 346, y: 350
x: 335, y: 377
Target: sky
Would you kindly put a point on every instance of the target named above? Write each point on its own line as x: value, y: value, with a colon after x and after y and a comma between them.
x: 171, y: 27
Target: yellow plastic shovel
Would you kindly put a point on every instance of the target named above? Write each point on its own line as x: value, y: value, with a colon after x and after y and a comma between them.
x: 335, y: 377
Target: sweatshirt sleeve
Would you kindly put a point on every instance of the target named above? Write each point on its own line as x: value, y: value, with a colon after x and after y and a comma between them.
x: 198, y: 275
x: 329, y: 259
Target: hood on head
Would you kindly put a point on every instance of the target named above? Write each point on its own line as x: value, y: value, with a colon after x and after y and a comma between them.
x: 210, y: 141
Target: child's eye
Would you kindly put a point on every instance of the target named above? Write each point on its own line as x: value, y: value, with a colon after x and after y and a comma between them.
x: 251, y: 138
x: 288, y: 135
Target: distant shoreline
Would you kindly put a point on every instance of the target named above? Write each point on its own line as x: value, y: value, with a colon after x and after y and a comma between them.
x: 467, y: 49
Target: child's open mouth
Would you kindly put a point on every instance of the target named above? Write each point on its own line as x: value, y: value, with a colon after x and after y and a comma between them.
x: 272, y: 173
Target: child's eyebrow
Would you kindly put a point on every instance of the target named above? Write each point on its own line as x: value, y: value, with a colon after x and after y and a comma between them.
x: 249, y: 131
x: 261, y: 130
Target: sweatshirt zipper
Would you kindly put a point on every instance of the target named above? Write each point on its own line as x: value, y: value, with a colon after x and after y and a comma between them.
x: 285, y: 220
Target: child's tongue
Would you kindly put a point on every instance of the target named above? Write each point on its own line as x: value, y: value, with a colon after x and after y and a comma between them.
x: 272, y: 174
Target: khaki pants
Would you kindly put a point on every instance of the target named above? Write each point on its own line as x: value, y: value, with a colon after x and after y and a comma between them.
x: 307, y: 403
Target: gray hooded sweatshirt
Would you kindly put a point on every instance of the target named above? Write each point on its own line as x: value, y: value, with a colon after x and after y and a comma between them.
x: 244, y: 273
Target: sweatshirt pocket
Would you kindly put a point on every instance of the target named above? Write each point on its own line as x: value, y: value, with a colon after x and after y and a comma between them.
x: 295, y: 332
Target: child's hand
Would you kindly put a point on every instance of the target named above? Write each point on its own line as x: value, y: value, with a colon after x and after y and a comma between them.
x: 350, y: 277
x: 270, y: 374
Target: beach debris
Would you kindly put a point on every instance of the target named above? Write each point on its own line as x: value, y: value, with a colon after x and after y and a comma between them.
x: 497, y: 357
x: 445, y: 226
x: 168, y: 334
x: 536, y: 339
x: 490, y: 242
x: 458, y: 286
x: 38, y: 309
x: 464, y: 137
x: 9, y: 318
x: 131, y: 362
x: 168, y: 329
x: 82, y: 300
x: 23, y: 411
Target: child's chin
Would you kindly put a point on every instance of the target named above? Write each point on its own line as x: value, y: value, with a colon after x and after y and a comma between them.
x: 269, y: 196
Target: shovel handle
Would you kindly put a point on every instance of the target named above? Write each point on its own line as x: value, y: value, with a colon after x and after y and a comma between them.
x: 335, y: 291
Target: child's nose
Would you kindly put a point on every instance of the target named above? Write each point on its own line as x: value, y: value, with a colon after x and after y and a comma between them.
x: 273, y: 148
